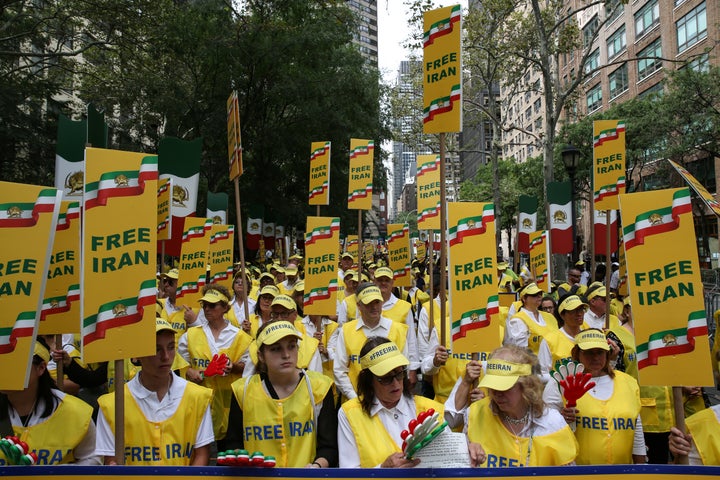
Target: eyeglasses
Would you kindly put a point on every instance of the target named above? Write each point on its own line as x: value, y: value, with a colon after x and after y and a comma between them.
x: 548, y: 309
x: 283, y: 314
x: 209, y: 305
x: 389, y: 379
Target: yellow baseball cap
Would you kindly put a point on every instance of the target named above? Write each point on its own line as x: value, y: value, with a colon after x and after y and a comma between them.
x: 291, y: 270
x: 571, y: 303
x: 267, y: 275
x: 502, y: 265
x: 173, y: 273
x: 299, y: 287
x: 214, y: 296
x: 347, y: 255
x: 596, y: 292
x: 591, y: 338
x: 276, y: 331
x: 42, y: 352
x: 350, y: 275
x: 384, y: 272
x: 284, y: 301
x: 530, y: 289
x: 162, y: 324
x: 383, y: 359
x: 369, y: 294
x: 269, y: 290
x: 502, y: 375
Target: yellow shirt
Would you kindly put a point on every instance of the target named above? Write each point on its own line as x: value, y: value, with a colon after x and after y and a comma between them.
x: 705, y: 430
x: 284, y: 428
x: 200, y: 357
x: 72, y: 417
x: 605, y: 429
x: 373, y: 442
x: 169, y: 442
x: 560, y: 347
x: 537, y: 332
x: 656, y: 409
x: 355, y: 339
x: 504, y: 449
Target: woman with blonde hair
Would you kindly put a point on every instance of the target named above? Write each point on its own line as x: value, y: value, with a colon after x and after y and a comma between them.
x: 512, y: 426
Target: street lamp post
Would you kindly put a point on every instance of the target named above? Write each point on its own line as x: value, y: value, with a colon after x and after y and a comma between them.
x: 571, y: 159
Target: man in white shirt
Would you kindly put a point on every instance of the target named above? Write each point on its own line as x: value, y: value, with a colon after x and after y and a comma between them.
x: 154, y: 396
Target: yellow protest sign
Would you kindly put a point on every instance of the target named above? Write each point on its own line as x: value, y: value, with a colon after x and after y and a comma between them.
x: 319, y: 174
x: 428, y: 192
x: 351, y: 246
x: 608, y: 163
x: 706, y: 196
x: 321, y: 263
x: 234, y: 142
x: 398, y: 246
x: 420, y: 250
x: 360, y: 183
x: 193, y: 260
x: 61, y: 300
x: 442, y: 70
x: 666, y: 291
x: 368, y: 251
x: 119, y: 251
x: 221, y: 255
x: 540, y: 259
x: 164, y: 219
x: 473, y: 292
x: 28, y: 218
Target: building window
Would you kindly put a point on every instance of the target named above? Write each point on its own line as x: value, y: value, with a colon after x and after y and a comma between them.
x: 618, y: 81
x: 701, y: 63
x: 692, y: 28
x: 616, y: 43
x: 656, y: 91
x: 537, y: 105
x: 593, y: 62
x: 649, y: 59
x: 613, y: 9
x: 647, y: 17
x: 594, y: 98
x: 589, y: 31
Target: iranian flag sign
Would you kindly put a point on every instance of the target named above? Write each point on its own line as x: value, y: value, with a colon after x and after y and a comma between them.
x: 540, y: 259
x: 474, y: 301
x: 28, y: 220
x: 665, y: 288
x: 321, y: 275
x: 119, y: 252
x: 561, y: 227
x: 527, y: 221
x: 608, y: 163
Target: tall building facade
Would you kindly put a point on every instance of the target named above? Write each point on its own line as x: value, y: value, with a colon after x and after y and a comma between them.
x: 366, y: 35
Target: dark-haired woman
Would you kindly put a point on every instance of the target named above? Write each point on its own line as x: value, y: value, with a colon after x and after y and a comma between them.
x: 369, y: 425
x: 57, y: 427
x: 282, y: 410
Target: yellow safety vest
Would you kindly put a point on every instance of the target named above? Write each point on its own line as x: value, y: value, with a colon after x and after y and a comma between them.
x: 55, y: 437
x: 656, y: 409
x: 355, y: 339
x: 130, y: 371
x: 705, y: 430
x: 560, y: 347
x: 328, y: 330
x: 605, y: 429
x: 285, y: 428
x: 537, y: 332
x: 170, y: 442
x: 200, y: 356
x: 351, y: 303
x: 629, y: 353
x: 306, y: 350
x: 398, y: 312
x: 503, y: 449
x: 373, y: 442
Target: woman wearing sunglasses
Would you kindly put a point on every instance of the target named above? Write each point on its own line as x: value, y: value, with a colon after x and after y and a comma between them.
x: 369, y: 426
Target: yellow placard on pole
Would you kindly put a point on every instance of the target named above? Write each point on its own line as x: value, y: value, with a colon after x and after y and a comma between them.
x: 221, y: 255
x: 234, y: 140
x: 28, y: 221
x: 319, y: 193
x: 61, y: 302
x: 193, y: 260
x: 428, y: 192
x: 352, y: 247
x: 473, y: 291
x: 164, y: 219
x: 420, y: 250
x: 398, y: 246
x: 119, y: 252
x: 706, y: 196
x: 360, y: 182
x: 608, y: 163
x: 368, y: 251
x: 442, y: 70
x: 540, y: 259
x: 666, y: 291
x: 321, y: 258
